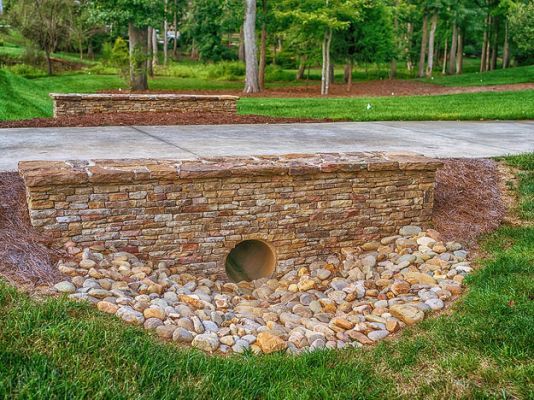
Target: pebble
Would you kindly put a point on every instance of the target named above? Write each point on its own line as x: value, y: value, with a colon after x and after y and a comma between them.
x: 206, y: 341
x: 65, y: 287
x: 352, y: 299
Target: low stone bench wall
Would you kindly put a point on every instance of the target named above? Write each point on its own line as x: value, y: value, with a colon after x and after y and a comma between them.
x: 81, y: 104
x: 194, y: 212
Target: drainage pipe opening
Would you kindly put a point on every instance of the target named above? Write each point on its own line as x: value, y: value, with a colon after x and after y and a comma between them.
x: 249, y: 260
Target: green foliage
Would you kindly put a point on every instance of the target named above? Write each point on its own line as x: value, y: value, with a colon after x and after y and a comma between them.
x: 27, y: 71
x: 206, y: 30
x: 141, y: 13
x: 45, y: 23
x: 120, y: 57
x: 229, y: 70
x: 521, y: 21
x: 369, y: 38
x: 107, y: 50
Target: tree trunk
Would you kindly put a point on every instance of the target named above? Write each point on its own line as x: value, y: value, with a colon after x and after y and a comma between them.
x: 80, y: 48
x: 325, y: 73
x: 302, y: 68
x: 433, y: 26
x: 494, y: 44
x: 263, y: 46
x: 408, y: 49
x: 49, y: 66
x: 452, y: 53
x: 506, y: 48
x: 444, y: 65
x: 175, y: 23
x: 150, y: 66
x: 154, y: 48
x: 251, y: 57
x: 241, y: 51
x: 138, y: 39
x: 484, y: 45
x: 90, y: 51
x: 488, y: 45
x: 348, y: 75
x: 460, y: 52
x: 165, y: 39
x: 422, y: 53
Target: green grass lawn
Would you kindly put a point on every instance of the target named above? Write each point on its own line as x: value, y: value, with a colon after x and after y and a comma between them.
x: 480, y: 349
x: 22, y: 98
x: 496, y: 77
x: 468, y: 106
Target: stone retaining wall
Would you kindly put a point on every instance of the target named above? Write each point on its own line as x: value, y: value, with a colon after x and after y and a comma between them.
x: 80, y: 104
x: 194, y: 212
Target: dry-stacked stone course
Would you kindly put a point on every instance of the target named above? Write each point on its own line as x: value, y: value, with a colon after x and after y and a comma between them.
x: 193, y: 212
x: 72, y: 104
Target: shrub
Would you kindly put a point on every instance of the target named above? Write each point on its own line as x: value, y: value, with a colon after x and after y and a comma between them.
x: 226, y: 70
x: 28, y: 71
x: 275, y: 73
x: 32, y: 56
x: 120, y: 57
x: 100, y: 69
x: 107, y: 49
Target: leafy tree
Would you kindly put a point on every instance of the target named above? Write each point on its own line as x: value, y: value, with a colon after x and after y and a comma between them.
x: 45, y: 23
x: 206, y: 29
x: 521, y: 19
x: 320, y: 19
x: 138, y: 15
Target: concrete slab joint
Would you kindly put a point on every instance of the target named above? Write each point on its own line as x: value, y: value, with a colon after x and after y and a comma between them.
x: 69, y: 104
x: 195, y: 212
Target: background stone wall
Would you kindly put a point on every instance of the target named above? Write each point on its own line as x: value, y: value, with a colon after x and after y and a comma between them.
x: 194, y: 212
x: 80, y: 104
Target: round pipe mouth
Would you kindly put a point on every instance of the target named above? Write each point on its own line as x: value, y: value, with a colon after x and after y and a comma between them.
x: 250, y: 260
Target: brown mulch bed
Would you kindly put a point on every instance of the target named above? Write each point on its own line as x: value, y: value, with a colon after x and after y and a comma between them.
x: 468, y: 200
x: 381, y: 87
x: 25, y: 258
x: 468, y: 203
x: 160, y: 118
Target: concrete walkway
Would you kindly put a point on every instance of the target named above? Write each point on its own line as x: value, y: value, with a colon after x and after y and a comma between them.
x: 437, y: 139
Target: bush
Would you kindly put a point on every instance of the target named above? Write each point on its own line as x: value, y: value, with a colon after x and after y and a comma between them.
x: 274, y: 73
x: 27, y: 71
x: 120, y: 57
x: 107, y: 50
x: 33, y: 56
x: 100, y: 69
x: 226, y: 70
x: 178, y: 71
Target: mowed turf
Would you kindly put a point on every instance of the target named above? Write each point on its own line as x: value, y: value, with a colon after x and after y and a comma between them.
x: 467, y: 106
x: 480, y: 348
x: 22, y: 98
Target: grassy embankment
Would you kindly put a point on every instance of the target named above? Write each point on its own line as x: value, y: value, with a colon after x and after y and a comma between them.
x: 22, y: 98
x: 481, y: 348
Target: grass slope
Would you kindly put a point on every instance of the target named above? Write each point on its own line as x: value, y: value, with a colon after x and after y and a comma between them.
x: 496, y: 77
x: 467, y: 106
x: 481, y: 349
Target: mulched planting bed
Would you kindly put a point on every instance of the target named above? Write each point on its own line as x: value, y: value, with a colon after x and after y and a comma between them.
x: 382, y: 87
x: 468, y: 201
x: 151, y: 118
x: 24, y: 255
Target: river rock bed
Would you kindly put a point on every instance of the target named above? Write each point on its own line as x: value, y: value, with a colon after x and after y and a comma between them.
x: 355, y: 298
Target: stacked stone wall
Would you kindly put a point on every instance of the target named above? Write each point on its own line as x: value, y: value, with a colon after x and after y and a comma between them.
x: 82, y: 104
x: 194, y: 212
